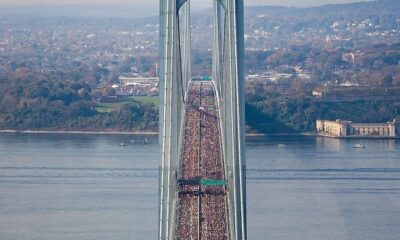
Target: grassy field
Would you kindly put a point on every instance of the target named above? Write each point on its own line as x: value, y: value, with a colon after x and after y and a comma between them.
x: 109, y: 107
x: 147, y: 99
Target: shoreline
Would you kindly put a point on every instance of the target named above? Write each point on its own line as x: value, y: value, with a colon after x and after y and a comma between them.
x: 136, y: 133
x: 144, y: 133
x: 354, y: 136
x: 156, y: 134
x: 310, y: 134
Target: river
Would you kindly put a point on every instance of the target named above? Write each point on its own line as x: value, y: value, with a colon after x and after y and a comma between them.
x: 88, y: 187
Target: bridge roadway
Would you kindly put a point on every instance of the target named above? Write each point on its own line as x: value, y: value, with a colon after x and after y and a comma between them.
x: 201, y: 209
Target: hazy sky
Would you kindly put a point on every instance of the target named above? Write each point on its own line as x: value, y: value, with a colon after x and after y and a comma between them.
x: 196, y: 2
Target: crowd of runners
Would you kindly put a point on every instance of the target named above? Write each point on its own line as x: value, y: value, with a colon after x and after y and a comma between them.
x: 201, y: 209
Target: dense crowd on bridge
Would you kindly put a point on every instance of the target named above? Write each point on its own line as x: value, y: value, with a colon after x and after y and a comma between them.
x: 214, y: 210
x: 188, y: 221
x: 210, y: 152
x: 201, y: 209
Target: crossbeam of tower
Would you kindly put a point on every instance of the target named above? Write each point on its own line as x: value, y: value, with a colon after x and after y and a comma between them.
x: 191, y: 180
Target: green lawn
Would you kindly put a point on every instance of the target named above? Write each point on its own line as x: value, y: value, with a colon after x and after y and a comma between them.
x: 147, y: 99
x: 109, y: 107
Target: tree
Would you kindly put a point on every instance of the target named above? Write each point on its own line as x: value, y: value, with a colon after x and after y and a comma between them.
x: 83, y: 94
x: 387, y: 81
x: 110, y: 91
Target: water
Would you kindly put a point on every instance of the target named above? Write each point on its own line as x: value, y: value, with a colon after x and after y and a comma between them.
x: 90, y: 187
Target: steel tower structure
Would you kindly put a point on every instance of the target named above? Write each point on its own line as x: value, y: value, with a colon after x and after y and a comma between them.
x: 228, y: 79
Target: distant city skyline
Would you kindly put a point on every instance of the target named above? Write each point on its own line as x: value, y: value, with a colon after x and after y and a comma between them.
x: 197, y: 3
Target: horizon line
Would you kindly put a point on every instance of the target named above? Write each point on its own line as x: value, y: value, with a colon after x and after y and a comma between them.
x: 156, y: 5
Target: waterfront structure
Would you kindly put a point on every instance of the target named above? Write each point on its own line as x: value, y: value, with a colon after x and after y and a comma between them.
x: 202, y: 174
x: 340, y: 128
